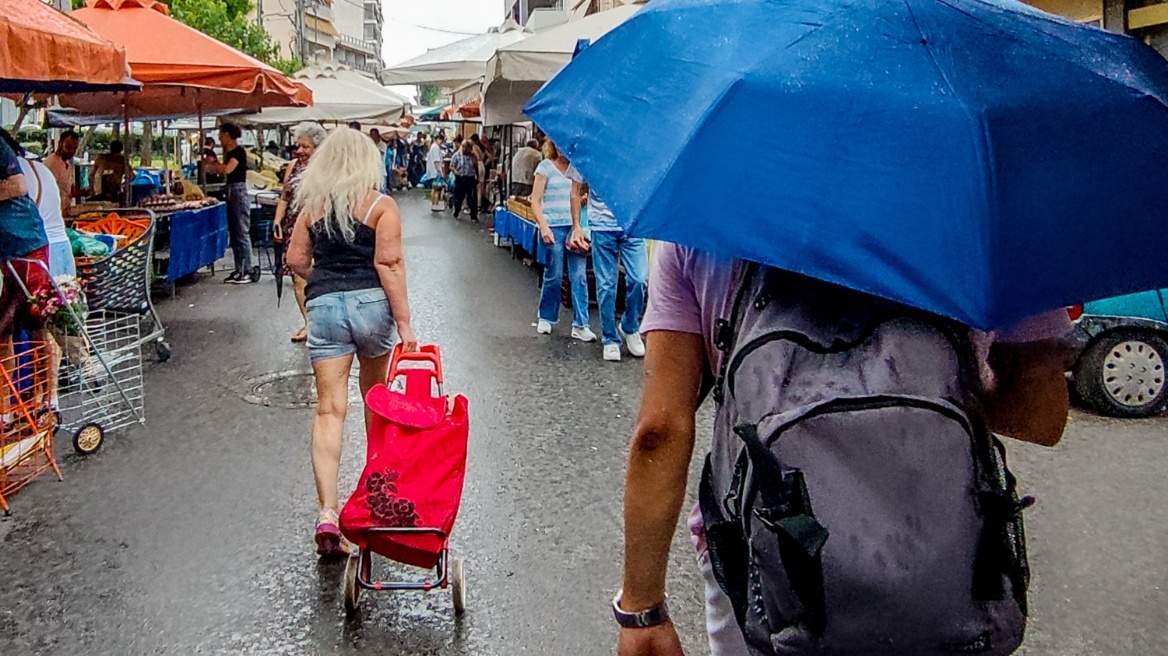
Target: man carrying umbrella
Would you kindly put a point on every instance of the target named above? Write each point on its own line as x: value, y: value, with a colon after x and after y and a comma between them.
x: 691, y: 292
x: 854, y: 500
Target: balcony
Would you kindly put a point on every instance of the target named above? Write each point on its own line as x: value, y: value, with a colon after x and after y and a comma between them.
x: 320, y: 32
x: 360, y: 45
x: 371, y: 69
x: 373, y: 12
x: 319, y: 10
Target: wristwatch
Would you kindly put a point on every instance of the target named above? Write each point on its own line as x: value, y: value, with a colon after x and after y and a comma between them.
x: 643, y: 619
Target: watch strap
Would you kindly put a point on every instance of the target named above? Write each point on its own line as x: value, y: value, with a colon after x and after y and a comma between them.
x: 643, y: 619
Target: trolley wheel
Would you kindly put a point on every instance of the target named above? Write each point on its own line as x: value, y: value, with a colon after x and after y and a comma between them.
x: 162, y: 350
x: 88, y: 439
x: 458, y: 585
x: 352, y: 589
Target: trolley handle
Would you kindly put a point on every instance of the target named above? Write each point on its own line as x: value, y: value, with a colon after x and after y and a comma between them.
x: 28, y: 261
x: 427, y: 353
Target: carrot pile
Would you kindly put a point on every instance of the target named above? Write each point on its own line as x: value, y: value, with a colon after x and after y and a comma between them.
x: 112, y: 224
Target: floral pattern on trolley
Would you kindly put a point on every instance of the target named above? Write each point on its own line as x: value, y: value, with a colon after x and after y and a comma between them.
x: 388, y: 508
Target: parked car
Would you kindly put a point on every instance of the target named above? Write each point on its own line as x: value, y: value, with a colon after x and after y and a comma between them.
x: 1121, y: 350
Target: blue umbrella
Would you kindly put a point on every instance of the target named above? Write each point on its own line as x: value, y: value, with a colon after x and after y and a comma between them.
x: 978, y: 159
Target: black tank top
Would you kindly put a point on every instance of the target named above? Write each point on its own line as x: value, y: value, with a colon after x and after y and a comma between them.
x: 340, y: 265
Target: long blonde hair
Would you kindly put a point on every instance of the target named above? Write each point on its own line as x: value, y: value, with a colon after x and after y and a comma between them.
x: 340, y: 174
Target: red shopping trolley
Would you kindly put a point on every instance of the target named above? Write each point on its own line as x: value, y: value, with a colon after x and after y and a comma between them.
x: 409, y: 493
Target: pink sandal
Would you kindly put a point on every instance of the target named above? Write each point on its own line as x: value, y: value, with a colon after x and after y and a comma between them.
x: 329, y: 541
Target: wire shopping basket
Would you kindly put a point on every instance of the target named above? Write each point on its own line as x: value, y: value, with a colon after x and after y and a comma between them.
x: 120, y: 282
x: 100, y: 385
x: 27, y: 422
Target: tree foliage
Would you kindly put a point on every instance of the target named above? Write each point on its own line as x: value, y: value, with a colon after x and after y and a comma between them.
x: 287, y: 66
x: 226, y: 21
x: 229, y: 21
x: 428, y: 95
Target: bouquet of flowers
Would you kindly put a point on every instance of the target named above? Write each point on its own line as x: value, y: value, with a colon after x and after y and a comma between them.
x: 62, y: 313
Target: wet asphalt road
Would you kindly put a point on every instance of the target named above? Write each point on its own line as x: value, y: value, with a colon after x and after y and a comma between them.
x: 192, y: 534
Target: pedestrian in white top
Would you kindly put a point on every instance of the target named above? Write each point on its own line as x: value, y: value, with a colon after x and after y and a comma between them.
x: 552, y: 205
x: 378, y: 141
x: 434, y: 159
x: 42, y: 188
x: 523, y: 168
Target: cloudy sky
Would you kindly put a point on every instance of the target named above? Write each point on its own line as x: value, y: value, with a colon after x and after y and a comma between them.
x: 414, y: 26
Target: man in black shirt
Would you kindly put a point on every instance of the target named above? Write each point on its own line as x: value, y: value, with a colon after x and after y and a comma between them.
x: 234, y: 167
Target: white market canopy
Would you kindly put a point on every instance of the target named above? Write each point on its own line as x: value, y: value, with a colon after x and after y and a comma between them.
x: 518, y: 70
x: 340, y: 95
x: 456, y: 64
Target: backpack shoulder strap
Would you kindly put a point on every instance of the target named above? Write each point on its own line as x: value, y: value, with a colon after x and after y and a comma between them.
x: 725, y: 329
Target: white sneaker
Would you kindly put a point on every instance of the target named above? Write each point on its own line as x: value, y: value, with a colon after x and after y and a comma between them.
x: 583, y: 333
x: 634, y: 343
x: 612, y: 352
x: 543, y: 327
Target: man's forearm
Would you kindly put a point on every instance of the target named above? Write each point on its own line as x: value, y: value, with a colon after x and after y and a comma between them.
x: 654, y: 492
x: 659, y: 457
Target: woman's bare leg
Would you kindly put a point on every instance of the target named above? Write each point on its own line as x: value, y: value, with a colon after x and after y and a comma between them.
x: 373, y: 371
x: 332, y: 394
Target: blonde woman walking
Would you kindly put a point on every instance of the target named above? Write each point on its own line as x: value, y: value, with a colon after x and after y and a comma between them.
x: 347, y: 245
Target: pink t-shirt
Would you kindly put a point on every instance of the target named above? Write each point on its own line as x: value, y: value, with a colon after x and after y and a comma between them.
x: 689, y: 290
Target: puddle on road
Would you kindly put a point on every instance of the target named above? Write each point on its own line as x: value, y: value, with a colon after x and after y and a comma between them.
x: 292, y: 390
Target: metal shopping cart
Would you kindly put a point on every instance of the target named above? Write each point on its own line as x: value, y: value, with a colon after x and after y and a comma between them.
x: 120, y: 282
x: 99, y: 381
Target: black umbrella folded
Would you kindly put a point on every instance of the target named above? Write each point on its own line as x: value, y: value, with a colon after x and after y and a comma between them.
x: 278, y: 268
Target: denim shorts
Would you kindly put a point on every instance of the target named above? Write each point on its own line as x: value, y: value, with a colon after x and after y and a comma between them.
x: 344, y: 323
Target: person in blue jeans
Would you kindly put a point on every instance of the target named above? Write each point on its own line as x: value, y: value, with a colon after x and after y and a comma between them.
x: 552, y: 204
x: 610, y: 246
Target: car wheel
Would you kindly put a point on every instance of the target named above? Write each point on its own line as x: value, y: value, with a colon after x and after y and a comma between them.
x: 1122, y: 374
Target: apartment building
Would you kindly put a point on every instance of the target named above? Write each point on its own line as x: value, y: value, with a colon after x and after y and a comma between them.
x: 344, y: 31
x: 1146, y: 20
x: 360, y: 24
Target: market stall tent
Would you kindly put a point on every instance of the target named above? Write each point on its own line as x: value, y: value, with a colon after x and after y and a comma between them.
x: 43, y: 50
x: 457, y: 63
x: 432, y: 114
x: 182, y: 70
x: 341, y: 95
x: 518, y: 70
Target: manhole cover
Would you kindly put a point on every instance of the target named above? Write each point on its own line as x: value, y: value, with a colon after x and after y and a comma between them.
x: 290, y: 389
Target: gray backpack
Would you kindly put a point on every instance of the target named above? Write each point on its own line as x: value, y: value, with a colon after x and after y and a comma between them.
x: 854, y: 501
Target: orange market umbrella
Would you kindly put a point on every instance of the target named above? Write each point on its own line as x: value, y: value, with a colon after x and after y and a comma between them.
x: 183, y: 71
x: 472, y: 109
x: 43, y: 50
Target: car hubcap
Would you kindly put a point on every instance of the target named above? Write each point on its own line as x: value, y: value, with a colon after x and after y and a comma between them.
x: 1133, y: 373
